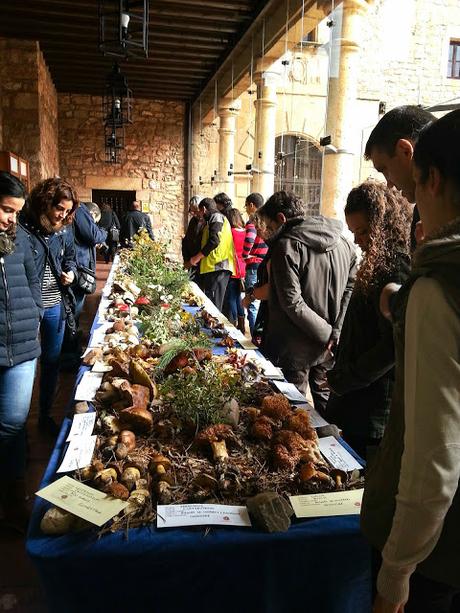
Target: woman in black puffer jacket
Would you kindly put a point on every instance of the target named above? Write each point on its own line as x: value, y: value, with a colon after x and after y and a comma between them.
x: 20, y: 307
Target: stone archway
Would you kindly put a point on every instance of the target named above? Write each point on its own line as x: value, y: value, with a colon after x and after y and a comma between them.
x: 298, y: 166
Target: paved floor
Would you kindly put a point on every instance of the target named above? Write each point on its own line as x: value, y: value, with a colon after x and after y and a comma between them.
x: 20, y: 589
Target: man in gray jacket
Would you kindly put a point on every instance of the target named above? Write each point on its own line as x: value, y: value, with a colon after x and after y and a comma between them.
x: 312, y: 271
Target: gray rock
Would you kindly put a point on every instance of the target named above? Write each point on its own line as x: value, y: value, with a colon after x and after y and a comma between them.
x: 270, y: 512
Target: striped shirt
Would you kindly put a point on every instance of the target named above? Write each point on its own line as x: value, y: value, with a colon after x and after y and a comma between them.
x: 51, y: 296
x: 254, y: 248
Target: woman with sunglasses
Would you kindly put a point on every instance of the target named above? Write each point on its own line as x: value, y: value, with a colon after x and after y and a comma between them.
x: 47, y: 219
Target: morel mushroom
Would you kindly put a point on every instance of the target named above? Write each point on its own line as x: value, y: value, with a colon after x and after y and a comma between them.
x: 276, y: 406
x: 262, y: 428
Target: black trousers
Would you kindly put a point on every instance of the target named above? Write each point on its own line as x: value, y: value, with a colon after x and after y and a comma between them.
x: 425, y: 595
x: 316, y: 377
x: 214, y: 285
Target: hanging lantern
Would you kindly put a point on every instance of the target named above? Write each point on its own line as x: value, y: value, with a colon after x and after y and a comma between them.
x: 114, y: 140
x: 124, y: 27
x: 117, y: 99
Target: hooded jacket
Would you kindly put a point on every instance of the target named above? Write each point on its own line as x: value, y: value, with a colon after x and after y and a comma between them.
x: 87, y: 235
x: 411, y: 502
x: 313, y: 268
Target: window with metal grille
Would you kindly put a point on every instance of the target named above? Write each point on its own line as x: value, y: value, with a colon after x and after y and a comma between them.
x: 453, y: 65
x: 298, y: 166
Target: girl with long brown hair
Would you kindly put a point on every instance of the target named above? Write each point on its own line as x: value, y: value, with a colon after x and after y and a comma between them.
x: 47, y: 219
x: 361, y: 381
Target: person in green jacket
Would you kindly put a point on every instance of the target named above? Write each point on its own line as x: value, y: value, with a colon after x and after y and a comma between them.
x: 411, y: 503
x: 216, y: 257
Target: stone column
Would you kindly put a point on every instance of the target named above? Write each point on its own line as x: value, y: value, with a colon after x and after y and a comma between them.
x: 341, y: 122
x: 228, y: 112
x: 265, y: 129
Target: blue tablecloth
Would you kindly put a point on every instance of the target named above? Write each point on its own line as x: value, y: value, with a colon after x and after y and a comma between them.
x: 317, y: 566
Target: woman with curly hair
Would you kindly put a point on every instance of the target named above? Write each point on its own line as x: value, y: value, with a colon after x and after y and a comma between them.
x: 361, y: 381
x: 47, y: 220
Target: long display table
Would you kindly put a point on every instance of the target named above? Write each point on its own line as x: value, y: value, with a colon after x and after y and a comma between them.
x: 318, y: 566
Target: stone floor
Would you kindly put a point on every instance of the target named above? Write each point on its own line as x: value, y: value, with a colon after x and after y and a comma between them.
x: 20, y: 589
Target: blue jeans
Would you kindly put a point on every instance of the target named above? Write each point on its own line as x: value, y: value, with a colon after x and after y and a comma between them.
x: 52, y: 334
x: 235, y: 307
x: 253, y: 308
x: 16, y: 384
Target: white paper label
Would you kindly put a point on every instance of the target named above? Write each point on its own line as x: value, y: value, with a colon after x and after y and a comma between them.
x: 327, y: 505
x: 79, y: 454
x: 88, y: 386
x: 175, y: 515
x: 337, y: 455
x: 290, y: 391
x: 82, y: 500
x: 82, y: 425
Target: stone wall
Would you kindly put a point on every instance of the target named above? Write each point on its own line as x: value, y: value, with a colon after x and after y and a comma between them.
x: 152, y: 162
x: 48, y: 115
x: 28, y: 107
x: 19, y: 101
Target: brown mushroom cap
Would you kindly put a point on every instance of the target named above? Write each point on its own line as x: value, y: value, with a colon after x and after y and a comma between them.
x: 136, y: 419
x: 128, y: 438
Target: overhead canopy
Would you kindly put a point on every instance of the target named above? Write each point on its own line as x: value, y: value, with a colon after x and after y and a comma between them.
x: 190, y: 41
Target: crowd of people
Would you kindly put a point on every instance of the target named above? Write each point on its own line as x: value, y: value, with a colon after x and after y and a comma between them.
x: 374, y: 334
x: 48, y: 243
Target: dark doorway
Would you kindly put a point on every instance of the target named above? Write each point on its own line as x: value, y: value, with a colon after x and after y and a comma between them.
x: 119, y: 200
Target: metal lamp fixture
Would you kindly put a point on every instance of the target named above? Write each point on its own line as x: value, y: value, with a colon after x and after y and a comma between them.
x: 114, y: 140
x: 124, y: 27
x: 117, y: 99
x: 116, y: 112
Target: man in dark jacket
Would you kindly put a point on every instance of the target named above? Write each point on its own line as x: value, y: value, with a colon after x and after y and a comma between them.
x: 133, y: 221
x: 87, y: 235
x: 390, y: 148
x: 311, y: 279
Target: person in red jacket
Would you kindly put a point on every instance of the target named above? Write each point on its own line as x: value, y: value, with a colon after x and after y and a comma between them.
x: 254, y: 251
x: 234, y: 305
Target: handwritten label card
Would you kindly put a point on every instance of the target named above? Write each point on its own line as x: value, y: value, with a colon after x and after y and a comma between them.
x: 337, y: 455
x: 88, y: 386
x: 82, y: 425
x: 290, y: 391
x: 175, y: 515
x: 81, y: 500
x: 327, y: 505
x: 79, y: 454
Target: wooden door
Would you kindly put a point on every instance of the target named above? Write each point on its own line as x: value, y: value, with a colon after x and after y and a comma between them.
x: 119, y: 200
